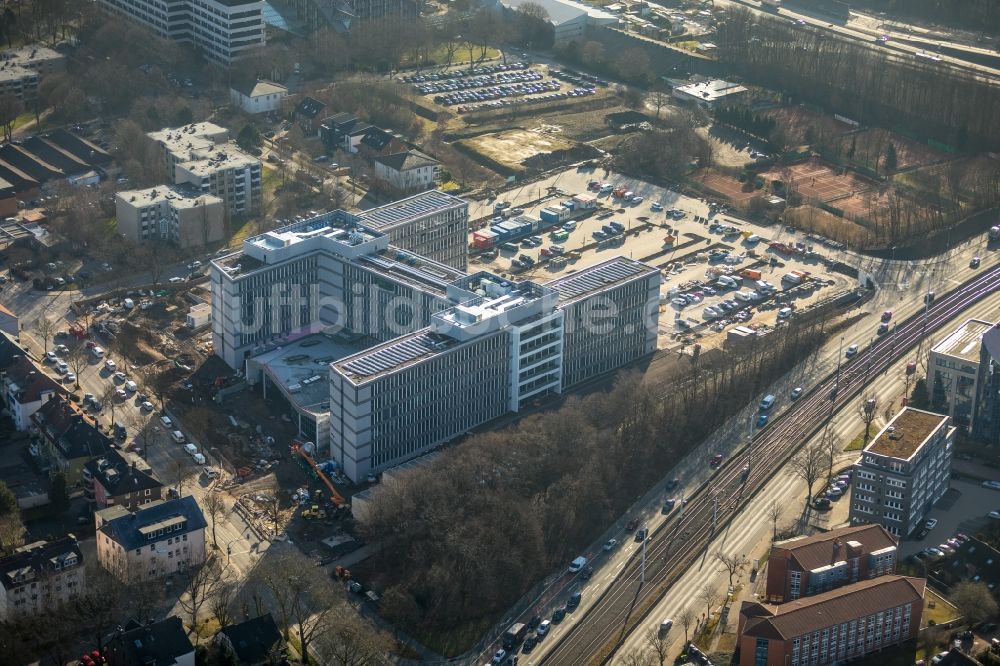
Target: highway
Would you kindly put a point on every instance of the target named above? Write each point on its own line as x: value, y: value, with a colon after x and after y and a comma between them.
x: 678, y: 542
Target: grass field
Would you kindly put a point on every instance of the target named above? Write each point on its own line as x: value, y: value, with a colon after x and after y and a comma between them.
x: 937, y: 609
x: 511, y: 148
x: 439, y: 56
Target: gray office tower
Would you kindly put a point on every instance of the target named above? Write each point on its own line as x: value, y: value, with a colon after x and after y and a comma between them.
x: 383, y: 353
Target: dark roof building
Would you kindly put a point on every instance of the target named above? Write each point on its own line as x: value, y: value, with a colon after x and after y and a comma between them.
x: 309, y: 114
x: 804, y: 566
x: 256, y: 641
x: 973, y: 560
x: 111, y: 480
x: 69, y: 436
x: 27, y: 389
x: 836, y: 626
x: 163, y: 643
x: 41, y: 576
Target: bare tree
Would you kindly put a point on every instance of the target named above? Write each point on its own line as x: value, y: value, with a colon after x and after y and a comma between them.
x: 974, y: 600
x: 832, y: 445
x: 658, y: 644
x: 109, y: 398
x: 78, y: 358
x: 206, y: 580
x: 733, y: 564
x: 143, y: 600
x: 179, y: 474
x: 709, y: 596
x: 867, y: 411
x: 46, y: 329
x: 808, y: 466
x: 774, y: 512
x: 687, y: 617
x: 10, y: 109
x: 637, y: 657
x: 349, y: 643
x: 215, y: 509
x: 222, y: 604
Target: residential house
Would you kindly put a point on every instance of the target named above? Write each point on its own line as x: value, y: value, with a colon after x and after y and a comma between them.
x: 333, y: 130
x: 26, y: 389
x: 257, y: 95
x: 903, y: 471
x: 809, y: 565
x: 841, y: 625
x: 41, y: 576
x: 406, y: 172
x: 110, y: 480
x: 163, y: 643
x: 68, y: 438
x: 152, y: 541
x: 255, y: 642
x: 309, y: 115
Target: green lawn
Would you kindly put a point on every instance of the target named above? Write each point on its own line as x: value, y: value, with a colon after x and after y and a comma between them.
x: 439, y: 55
x: 857, y: 443
x: 942, y: 610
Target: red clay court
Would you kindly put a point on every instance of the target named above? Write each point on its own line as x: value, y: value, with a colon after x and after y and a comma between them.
x: 819, y: 181
x: 727, y: 186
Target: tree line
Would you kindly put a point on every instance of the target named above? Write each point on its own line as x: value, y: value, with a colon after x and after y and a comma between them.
x: 745, y: 119
x: 856, y: 80
x: 975, y: 14
x: 462, y: 539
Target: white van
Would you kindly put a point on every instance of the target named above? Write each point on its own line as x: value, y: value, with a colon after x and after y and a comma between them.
x: 190, y: 448
x: 177, y: 436
x: 767, y: 403
x: 577, y: 564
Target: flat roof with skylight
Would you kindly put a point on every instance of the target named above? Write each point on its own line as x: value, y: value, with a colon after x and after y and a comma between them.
x: 598, y: 277
x: 964, y: 342
x: 408, y: 209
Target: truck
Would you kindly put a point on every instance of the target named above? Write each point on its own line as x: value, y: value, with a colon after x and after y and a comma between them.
x: 794, y: 277
x: 750, y: 273
x: 995, y: 233
x: 514, y: 635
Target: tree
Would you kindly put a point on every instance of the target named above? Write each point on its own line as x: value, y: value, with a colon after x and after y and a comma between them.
x: 11, y: 532
x: 867, y: 411
x: 349, y: 643
x: 633, y: 98
x: 215, y: 509
x: 709, y: 596
x: 10, y: 109
x: 920, y: 398
x: 974, y: 600
x: 98, y: 606
x: 660, y: 96
x: 46, y: 329
x: 658, y: 645
x: 808, y: 466
x: 832, y: 445
x: 109, y: 398
x: 222, y: 604
x: 637, y: 657
x: 205, y: 581
x: 774, y: 511
x: 8, y: 501
x: 890, y: 158
x: 733, y: 564
x: 249, y: 137
x: 78, y: 358
x: 687, y: 617
x: 58, y: 496
x: 179, y: 473
x: 157, y: 380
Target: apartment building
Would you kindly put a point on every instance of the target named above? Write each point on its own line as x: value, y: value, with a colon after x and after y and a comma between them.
x: 152, y: 541
x: 41, y: 576
x: 67, y: 438
x: 223, y: 30
x: 201, y: 157
x: 841, y: 625
x: 986, y: 421
x: 953, y: 372
x: 26, y: 388
x: 410, y: 171
x: 809, y: 565
x: 110, y: 480
x: 22, y: 70
x: 181, y: 215
x: 343, y: 326
x: 903, y: 471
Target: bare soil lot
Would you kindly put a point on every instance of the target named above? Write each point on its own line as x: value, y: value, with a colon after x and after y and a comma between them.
x: 510, y: 149
x: 727, y: 186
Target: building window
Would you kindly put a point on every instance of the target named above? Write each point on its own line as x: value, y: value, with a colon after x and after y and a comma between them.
x: 760, y: 655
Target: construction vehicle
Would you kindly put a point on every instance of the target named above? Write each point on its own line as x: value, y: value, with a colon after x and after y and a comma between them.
x: 314, y: 513
x: 300, y: 449
x: 78, y: 331
x: 342, y: 573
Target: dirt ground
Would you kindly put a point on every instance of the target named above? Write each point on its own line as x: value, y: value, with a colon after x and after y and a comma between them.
x: 511, y: 148
x: 727, y: 186
x: 817, y: 180
x: 818, y: 221
x: 870, y: 147
x: 803, y: 126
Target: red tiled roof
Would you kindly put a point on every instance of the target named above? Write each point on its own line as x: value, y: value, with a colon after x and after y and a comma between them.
x: 803, y: 616
x: 822, y: 549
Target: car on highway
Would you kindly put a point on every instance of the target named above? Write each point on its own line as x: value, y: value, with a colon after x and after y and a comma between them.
x: 762, y: 420
x: 574, y: 601
x: 852, y: 351
x: 929, y: 297
x: 665, y: 626
x: 796, y: 392
x: 543, y: 629
x: 992, y: 485
x: 887, y: 315
x: 610, y: 545
x: 974, y: 263
x: 641, y: 535
x: 668, y: 506
x: 716, y: 460
x: 930, y: 523
x: 883, y: 328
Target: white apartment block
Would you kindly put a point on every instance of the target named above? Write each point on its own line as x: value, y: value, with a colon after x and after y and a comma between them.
x: 179, y: 215
x: 223, y: 30
x: 953, y: 372
x: 22, y: 69
x: 41, y: 576
x: 383, y: 354
x: 157, y: 539
x: 903, y: 471
x: 200, y: 155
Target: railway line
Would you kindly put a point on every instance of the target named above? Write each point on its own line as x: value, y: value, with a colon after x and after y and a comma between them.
x: 685, y: 538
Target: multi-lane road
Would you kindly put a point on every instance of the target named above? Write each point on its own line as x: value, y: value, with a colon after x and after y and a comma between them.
x: 680, y: 541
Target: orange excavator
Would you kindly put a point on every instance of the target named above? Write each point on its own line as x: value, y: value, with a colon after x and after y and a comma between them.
x: 298, y: 448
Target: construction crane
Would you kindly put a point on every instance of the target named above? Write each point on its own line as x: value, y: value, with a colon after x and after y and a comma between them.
x: 300, y: 449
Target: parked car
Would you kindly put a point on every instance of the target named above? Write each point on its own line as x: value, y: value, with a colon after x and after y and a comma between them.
x: 852, y: 351
x: 796, y: 392
x: 930, y: 523
x: 716, y: 460
x: 610, y: 545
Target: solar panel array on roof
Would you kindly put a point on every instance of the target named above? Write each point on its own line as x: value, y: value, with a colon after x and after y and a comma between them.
x: 598, y: 277
x: 394, y: 355
x: 407, y: 209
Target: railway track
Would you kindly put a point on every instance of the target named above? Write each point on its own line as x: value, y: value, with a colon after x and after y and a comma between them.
x: 677, y: 543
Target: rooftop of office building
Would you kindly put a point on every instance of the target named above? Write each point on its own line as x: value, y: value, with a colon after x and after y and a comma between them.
x: 393, y: 355
x: 211, y: 161
x: 31, y: 55
x: 903, y: 436
x: 302, y: 367
x: 409, y: 209
x: 493, y: 301
x: 196, y: 137
x: 964, y: 341
x: 598, y: 277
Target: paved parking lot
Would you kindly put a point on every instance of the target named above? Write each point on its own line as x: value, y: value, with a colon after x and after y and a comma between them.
x: 964, y: 509
x: 682, y: 261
